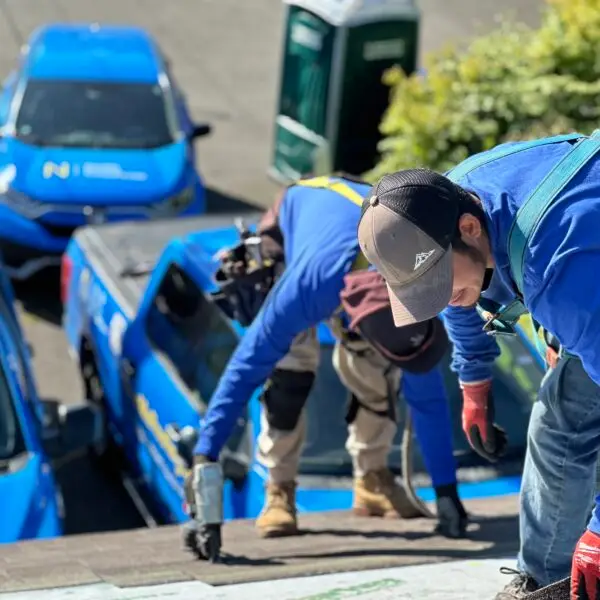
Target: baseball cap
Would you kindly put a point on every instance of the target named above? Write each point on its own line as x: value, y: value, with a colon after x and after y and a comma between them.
x: 406, y: 227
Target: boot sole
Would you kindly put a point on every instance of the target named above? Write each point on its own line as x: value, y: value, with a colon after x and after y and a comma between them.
x: 363, y: 511
x: 276, y: 532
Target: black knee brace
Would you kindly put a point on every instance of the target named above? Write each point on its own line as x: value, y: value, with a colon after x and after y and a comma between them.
x: 354, y: 405
x: 284, y: 397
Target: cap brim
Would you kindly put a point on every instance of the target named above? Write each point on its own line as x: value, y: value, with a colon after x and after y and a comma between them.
x: 425, y: 297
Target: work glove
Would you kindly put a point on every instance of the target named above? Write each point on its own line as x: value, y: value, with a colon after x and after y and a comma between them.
x: 485, y: 437
x: 203, y: 487
x: 585, y: 570
x: 451, y: 514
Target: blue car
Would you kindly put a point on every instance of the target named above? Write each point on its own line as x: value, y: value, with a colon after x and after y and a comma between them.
x: 33, y: 432
x: 93, y: 128
x: 151, y: 343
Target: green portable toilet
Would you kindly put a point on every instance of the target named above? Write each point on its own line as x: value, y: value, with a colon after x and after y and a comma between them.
x: 331, y: 98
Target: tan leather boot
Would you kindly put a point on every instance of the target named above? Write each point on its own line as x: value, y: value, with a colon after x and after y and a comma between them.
x: 378, y: 494
x: 278, y: 517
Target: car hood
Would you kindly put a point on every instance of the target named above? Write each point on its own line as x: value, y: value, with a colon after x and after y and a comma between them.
x: 93, y: 176
x: 21, y: 498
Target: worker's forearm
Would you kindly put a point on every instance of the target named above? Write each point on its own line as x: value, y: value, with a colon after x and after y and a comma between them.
x: 430, y: 410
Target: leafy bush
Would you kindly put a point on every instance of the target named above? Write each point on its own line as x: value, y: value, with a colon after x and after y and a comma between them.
x: 515, y: 83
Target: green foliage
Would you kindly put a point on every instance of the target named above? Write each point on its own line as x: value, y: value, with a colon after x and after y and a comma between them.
x: 513, y: 84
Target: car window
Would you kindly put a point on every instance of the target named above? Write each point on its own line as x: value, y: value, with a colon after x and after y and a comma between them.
x: 191, y: 333
x: 97, y: 114
x: 11, y: 435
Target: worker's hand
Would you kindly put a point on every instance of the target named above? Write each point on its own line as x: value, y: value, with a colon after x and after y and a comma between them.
x: 485, y: 437
x: 203, y: 488
x: 585, y: 570
x: 451, y: 514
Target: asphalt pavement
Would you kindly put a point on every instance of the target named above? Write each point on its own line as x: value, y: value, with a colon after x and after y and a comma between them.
x: 225, y: 55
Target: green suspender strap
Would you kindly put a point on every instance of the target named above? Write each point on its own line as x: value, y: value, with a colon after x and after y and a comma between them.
x: 343, y: 189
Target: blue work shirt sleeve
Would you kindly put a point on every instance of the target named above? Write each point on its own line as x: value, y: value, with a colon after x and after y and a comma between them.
x: 305, y: 295
x: 474, y: 351
x: 426, y: 396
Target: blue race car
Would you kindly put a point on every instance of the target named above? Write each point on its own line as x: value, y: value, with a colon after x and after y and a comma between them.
x: 93, y: 128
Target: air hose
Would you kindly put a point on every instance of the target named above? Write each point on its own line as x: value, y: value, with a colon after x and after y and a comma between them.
x: 407, y: 469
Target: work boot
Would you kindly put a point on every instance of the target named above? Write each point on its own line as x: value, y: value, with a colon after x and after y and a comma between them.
x: 520, y: 586
x: 278, y: 516
x: 378, y: 494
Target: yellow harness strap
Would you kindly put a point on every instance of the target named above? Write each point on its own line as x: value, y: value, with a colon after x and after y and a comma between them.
x: 343, y: 189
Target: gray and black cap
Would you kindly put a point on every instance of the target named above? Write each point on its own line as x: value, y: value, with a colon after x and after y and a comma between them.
x: 406, y: 228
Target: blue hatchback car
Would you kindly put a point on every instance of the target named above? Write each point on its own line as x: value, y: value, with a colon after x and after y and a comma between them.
x: 93, y: 128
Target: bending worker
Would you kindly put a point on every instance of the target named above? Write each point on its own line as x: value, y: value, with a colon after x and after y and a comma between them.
x: 513, y: 229
x: 311, y: 234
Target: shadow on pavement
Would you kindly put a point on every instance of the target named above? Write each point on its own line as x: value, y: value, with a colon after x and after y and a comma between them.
x: 498, y: 536
x: 93, y: 501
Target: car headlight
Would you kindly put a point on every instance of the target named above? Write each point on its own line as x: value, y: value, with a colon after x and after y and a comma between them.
x: 176, y: 203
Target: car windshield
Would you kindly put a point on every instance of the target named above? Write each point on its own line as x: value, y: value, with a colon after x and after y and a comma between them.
x: 94, y: 114
x: 11, y: 437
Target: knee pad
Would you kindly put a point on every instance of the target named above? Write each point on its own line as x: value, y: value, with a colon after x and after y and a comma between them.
x: 284, y: 397
x: 354, y: 405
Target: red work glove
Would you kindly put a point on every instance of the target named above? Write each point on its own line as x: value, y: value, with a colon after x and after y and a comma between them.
x: 486, y: 438
x: 585, y: 571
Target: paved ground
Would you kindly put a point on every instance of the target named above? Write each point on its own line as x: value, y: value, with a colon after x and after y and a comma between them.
x: 225, y: 54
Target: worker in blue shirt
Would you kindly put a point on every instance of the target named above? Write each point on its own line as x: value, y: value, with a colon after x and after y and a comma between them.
x: 510, y: 231
x: 310, y: 259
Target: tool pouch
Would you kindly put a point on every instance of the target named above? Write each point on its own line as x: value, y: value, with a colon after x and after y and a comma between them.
x: 244, y: 284
x: 415, y: 348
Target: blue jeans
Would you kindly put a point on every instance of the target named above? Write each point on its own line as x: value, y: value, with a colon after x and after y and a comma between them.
x: 559, y: 478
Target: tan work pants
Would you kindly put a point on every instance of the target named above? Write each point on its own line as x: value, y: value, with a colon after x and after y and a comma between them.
x: 368, y: 376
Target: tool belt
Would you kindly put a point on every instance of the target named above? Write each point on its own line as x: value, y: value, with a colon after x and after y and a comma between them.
x: 249, y: 271
x: 415, y: 348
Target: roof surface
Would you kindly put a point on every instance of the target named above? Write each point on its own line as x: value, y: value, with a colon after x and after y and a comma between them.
x: 333, y: 542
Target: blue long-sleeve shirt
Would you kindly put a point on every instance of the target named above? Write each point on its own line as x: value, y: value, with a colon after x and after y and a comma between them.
x: 426, y: 396
x: 320, y: 245
x: 562, y: 260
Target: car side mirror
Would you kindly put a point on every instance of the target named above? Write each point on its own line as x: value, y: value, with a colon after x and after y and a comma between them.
x: 200, y: 130
x: 67, y: 429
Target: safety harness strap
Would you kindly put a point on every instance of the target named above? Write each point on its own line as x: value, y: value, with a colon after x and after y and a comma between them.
x: 527, y: 220
x: 535, y: 207
x: 479, y: 160
x: 531, y: 213
x: 344, y: 190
